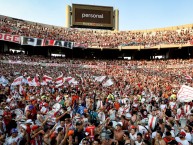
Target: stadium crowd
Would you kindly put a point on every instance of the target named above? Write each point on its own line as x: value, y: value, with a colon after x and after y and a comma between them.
x: 117, y: 103
x: 89, y: 38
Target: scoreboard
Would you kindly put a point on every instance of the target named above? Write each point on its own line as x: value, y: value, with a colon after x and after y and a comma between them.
x: 92, y: 16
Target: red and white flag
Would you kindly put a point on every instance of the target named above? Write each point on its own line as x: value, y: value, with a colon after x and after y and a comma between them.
x: 47, y: 79
x: 17, y: 81
x: 59, y: 85
x: 185, y: 94
x: 60, y: 79
x: 71, y: 80
x: 35, y: 81
x: 67, y: 79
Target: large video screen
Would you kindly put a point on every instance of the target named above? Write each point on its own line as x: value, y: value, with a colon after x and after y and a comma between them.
x: 92, y: 16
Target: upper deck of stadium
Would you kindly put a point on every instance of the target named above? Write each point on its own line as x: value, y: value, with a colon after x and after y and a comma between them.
x: 168, y: 37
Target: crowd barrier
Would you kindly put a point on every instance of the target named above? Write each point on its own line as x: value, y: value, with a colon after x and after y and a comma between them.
x: 177, y: 66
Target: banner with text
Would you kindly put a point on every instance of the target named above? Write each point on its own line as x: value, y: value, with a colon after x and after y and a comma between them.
x: 10, y: 38
x: 43, y: 42
x: 35, y: 41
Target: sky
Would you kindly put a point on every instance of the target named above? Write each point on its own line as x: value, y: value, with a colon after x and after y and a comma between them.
x: 133, y: 14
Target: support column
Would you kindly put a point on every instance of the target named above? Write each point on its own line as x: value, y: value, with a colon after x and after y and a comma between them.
x: 68, y: 16
x: 116, y: 19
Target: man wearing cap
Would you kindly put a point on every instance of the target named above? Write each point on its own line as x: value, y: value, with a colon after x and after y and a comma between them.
x: 181, y: 139
x: 31, y: 112
x: 15, y: 138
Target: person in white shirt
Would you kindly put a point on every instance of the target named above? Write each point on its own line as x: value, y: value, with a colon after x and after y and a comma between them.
x: 143, y: 129
x: 153, y: 135
x: 99, y: 103
x: 101, y: 115
x: 163, y: 105
x: 169, y: 129
x: 181, y: 139
x: 120, y: 111
x: 61, y: 124
x: 133, y: 134
x: 112, y: 113
x: 139, y: 140
x: 172, y: 104
x: 188, y: 136
x: 14, y: 138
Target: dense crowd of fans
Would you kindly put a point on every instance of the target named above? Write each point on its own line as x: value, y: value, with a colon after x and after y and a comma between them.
x: 89, y: 38
x: 140, y: 107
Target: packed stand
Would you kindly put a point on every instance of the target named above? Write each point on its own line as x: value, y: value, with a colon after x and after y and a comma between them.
x: 139, y: 106
x: 95, y: 38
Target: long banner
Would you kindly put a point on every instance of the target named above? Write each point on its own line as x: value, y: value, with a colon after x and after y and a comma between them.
x: 64, y: 65
x: 35, y: 41
x: 94, y: 66
x: 10, y: 38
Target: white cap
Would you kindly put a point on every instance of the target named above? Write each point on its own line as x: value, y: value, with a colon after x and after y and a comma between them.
x: 29, y: 121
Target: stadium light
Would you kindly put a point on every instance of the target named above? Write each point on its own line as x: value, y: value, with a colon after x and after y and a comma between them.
x: 180, y: 47
x: 159, y: 47
x: 139, y: 48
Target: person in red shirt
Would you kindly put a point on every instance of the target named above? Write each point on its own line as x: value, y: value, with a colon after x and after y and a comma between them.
x: 90, y: 129
x: 36, y: 135
x: 75, y: 98
x: 116, y: 105
x: 31, y: 112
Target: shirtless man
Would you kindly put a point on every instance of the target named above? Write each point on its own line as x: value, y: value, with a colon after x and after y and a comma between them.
x: 158, y: 139
x: 118, y: 134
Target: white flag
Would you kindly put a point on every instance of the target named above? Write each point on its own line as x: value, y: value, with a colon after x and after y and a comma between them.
x: 185, y: 94
x: 108, y: 83
x: 100, y: 78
